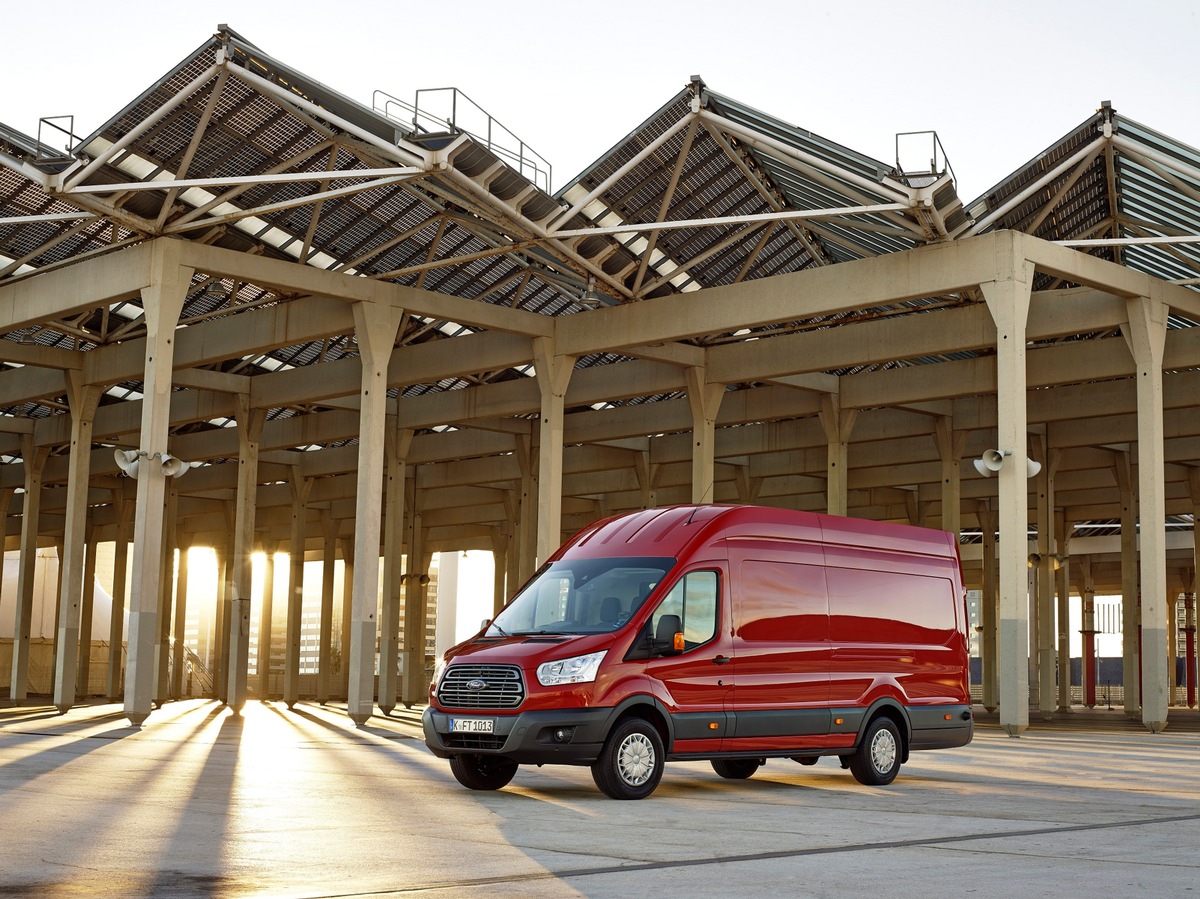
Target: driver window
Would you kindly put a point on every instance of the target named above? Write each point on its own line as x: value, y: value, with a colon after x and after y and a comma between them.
x: 694, y: 600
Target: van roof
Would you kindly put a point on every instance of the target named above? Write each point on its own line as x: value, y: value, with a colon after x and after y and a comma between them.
x: 675, y: 530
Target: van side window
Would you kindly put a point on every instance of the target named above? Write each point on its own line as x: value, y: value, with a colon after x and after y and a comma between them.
x: 694, y: 600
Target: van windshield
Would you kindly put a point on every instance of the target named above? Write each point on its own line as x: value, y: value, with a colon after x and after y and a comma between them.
x: 582, y: 596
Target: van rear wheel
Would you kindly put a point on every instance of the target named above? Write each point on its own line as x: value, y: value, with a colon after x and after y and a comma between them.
x: 877, y: 760
x: 631, y: 763
x: 736, y: 769
x: 482, y: 772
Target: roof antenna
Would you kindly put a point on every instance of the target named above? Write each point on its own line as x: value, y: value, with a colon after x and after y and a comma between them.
x: 696, y: 506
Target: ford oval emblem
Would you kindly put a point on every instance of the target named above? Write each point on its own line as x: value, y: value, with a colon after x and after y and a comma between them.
x: 476, y: 685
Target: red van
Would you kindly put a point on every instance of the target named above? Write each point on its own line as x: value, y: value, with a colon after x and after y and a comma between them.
x: 728, y: 633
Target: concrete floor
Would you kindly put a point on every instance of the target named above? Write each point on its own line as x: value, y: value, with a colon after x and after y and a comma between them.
x: 279, y: 803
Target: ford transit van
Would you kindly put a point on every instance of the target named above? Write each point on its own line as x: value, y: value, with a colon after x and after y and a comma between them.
x: 734, y: 634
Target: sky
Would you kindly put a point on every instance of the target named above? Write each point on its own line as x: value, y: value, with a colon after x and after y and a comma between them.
x: 998, y: 82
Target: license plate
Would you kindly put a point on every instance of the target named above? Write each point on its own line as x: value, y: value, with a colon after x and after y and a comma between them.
x: 472, y: 725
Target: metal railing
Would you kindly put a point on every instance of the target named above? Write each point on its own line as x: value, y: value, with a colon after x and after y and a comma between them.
x: 915, y: 169
x: 449, y: 109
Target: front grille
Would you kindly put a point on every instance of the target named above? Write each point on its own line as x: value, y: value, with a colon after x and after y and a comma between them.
x: 474, y: 741
x: 502, y: 687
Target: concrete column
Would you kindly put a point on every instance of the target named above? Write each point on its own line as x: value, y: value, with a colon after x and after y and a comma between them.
x: 85, y: 616
x: 553, y: 376
x: 916, y: 509
x: 1147, y: 335
x: 347, y: 609
x: 1047, y: 549
x: 166, y: 595
x: 178, y: 654
x: 375, y: 327
x: 512, y: 504
x: 329, y: 530
x: 266, y: 623
x: 705, y: 402
x: 124, y: 504
x: 1130, y: 599
x: 83, y: 399
x: 220, y: 643
x: 58, y: 555
x: 748, y: 488
x: 989, y: 607
x: 499, y: 565
x: 34, y: 459
x: 413, y: 686
x: 1087, y: 594
x: 399, y: 441
x: 837, y: 423
x: 6, y: 495
x: 527, y: 526
x: 1008, y: 302
x: 162, y: 300
x: 647, y: 475
x: 1063, y: 529
x: 447, y: 602
x: 950, y: 445
x: 249, y: 425
x: 300, y: 487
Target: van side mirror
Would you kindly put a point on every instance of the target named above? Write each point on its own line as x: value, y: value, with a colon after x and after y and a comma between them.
x: 666, y: 641
x: 668, y: 638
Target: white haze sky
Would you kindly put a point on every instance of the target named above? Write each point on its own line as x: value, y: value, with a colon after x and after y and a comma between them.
x: 998, y: 81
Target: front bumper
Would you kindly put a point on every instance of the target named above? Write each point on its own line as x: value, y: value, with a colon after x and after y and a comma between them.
x: 528, y: 738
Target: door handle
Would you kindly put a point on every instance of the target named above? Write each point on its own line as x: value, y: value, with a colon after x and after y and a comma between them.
x: 722, y: 660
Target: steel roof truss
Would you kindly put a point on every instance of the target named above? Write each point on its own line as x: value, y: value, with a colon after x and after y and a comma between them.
x: 605, y: 185
x: 771, y: 196
x: 189, y: 154
x: 970, y: 228
x: 664, y: 206
x: 243, y: 186
x: 261, y: 211
x: 401, y: 152
x: 76, y: 175
x: 827, y: 174
x: 684, y: 268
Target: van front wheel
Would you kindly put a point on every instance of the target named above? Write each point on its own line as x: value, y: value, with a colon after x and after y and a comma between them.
x: 877, y: 760
x: 631, y: 763
x: 482, y: 772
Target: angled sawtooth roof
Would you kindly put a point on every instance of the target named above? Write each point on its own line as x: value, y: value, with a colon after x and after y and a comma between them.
x: 493, y: 234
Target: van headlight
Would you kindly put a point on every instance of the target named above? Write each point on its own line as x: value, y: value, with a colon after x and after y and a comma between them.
x: 575, y: 670
x: 439, y: 668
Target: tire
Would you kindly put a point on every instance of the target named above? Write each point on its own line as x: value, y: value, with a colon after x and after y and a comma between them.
x: 876, y: 761
x: 482, y: 772
x: 736, y: 769
x: 631, y: 763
